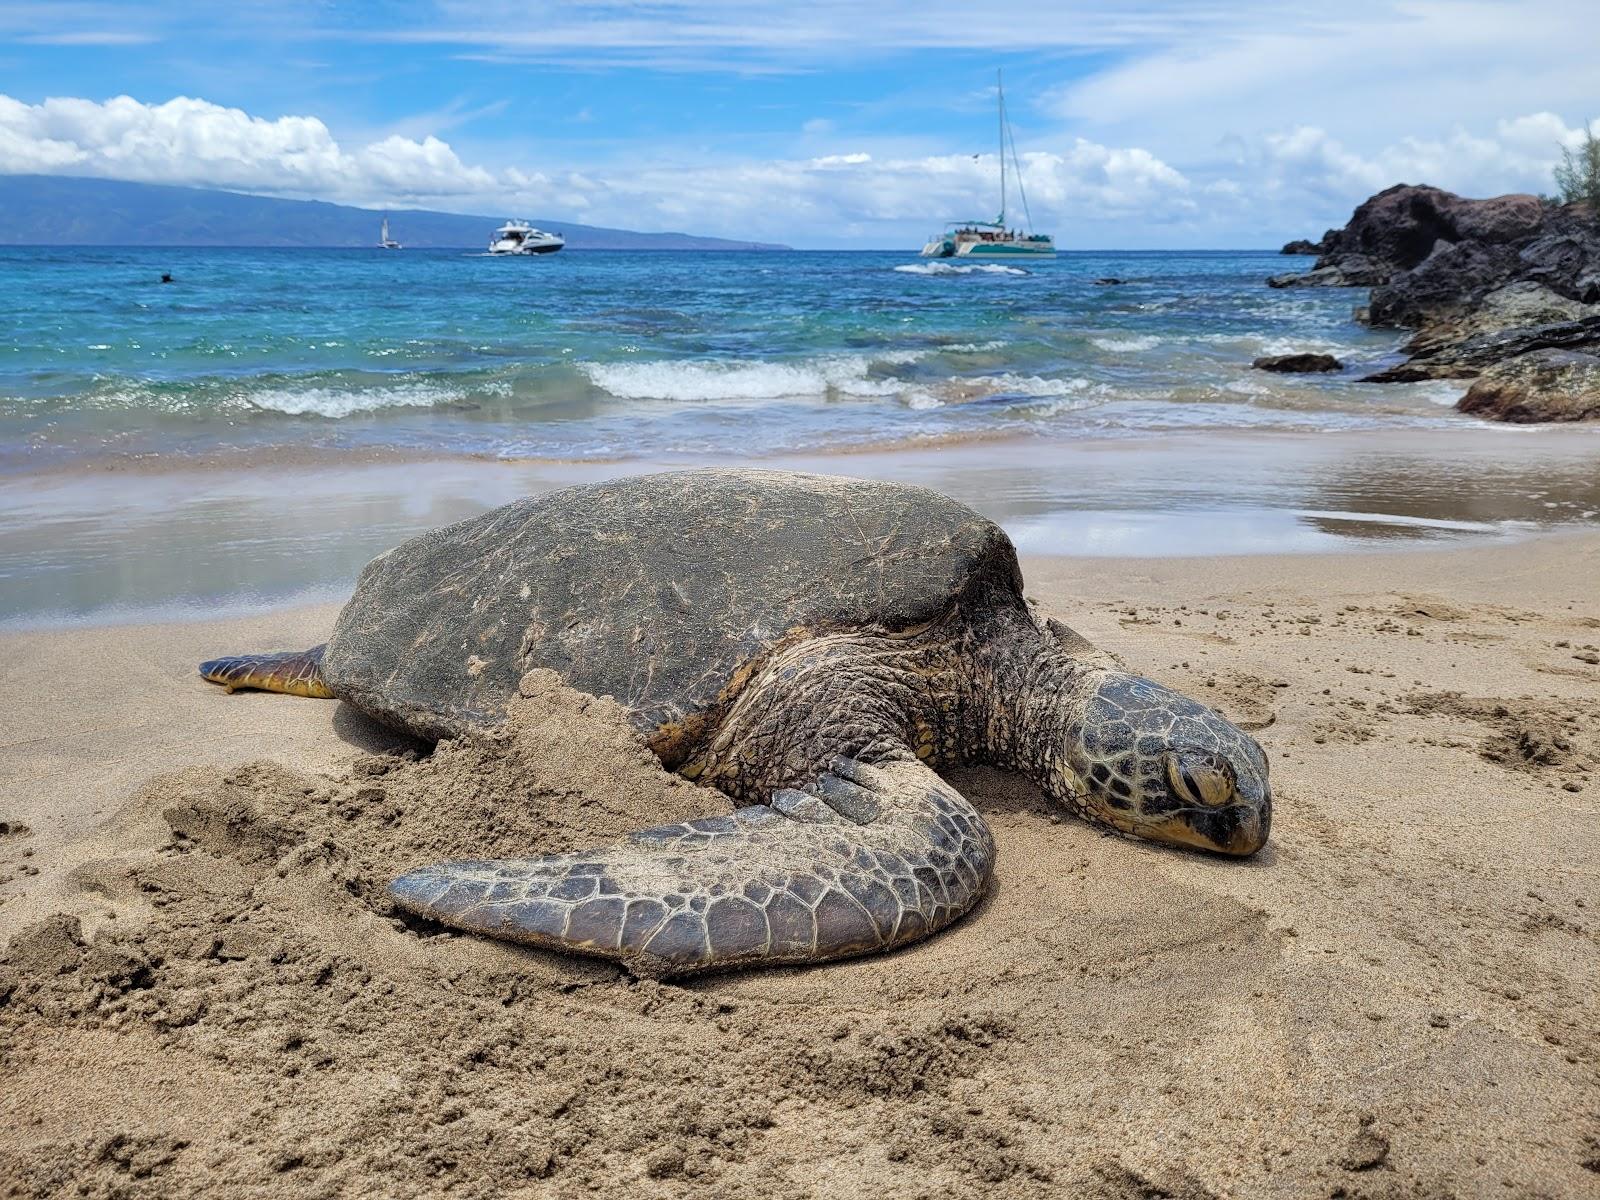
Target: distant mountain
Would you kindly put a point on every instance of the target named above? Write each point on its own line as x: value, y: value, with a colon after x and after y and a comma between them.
x: 53, y: 210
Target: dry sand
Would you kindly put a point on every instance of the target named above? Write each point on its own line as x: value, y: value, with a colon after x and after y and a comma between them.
x: 205, y: 993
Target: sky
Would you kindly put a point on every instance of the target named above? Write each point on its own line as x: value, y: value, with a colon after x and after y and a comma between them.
x: 827, y: 124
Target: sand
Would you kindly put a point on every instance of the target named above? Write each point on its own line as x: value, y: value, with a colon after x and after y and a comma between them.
x: 205, y: 993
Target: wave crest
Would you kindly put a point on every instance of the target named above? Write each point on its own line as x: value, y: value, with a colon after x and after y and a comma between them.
x: 689, y: 381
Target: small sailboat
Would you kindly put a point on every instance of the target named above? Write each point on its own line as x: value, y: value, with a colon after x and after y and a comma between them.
x: 384, y: 240
x: 995, y: 239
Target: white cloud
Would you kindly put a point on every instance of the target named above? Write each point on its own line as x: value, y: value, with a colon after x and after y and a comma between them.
x: 188, y: 141
x: 1307, y: 163
x: 89, y: 37
x: 730, y: 35
x: 1249, y: 190
x: 1371, y: 72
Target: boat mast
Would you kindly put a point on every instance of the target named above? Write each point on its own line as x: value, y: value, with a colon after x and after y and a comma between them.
x: 1000, y: 112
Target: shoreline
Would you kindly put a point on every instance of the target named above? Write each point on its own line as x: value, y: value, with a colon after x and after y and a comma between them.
x: 1403, y: 982
x: 290, y: 457
x: 124, y: 543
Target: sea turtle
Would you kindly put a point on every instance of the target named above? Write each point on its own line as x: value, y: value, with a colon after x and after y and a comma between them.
x: 815, y: 647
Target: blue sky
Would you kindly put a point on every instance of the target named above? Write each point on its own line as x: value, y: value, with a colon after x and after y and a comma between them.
x: 830, y: 123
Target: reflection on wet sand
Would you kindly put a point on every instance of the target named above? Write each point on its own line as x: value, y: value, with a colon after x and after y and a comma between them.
x: 100, y: 544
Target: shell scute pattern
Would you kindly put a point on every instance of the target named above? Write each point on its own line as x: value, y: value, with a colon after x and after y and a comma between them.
x: 656, y: 590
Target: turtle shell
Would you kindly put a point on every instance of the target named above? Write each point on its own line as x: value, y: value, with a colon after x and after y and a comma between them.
x: 658, y: 590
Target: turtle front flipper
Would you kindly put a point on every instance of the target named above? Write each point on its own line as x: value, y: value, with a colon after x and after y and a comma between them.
x: 866, y: 858
x: 296, y: 674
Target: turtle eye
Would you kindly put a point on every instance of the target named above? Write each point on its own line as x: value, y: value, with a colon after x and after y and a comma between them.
x: 1204, y: 780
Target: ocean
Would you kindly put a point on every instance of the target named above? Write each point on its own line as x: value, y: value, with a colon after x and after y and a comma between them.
x: 251, y: 433
x: 605, y: 355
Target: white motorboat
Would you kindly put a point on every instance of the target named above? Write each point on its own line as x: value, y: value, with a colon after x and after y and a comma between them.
x: 518, y: 237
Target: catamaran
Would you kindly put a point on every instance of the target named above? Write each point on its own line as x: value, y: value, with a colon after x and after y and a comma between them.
x: 995, y: 239
x: 384, y: 240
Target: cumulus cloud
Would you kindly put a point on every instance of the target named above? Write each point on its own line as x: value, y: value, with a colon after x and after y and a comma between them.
x: 1249, y: 191
x: 194, y: 142
x: 188, y: 141
x: 1516, y: 155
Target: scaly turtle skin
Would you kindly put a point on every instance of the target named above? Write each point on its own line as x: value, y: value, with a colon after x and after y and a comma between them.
x: 815, y: 647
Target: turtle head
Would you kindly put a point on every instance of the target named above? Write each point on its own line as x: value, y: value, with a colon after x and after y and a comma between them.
x: 1151, y: 762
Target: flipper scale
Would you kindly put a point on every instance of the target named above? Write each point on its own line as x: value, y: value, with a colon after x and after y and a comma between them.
x: 753, y: 887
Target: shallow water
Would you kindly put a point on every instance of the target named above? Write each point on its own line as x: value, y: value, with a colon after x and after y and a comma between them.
x: 251, y: 434
x: 104, y: 545
x: 590, y: 355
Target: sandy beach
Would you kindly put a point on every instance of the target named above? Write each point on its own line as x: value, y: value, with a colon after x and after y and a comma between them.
x: 206, y: 993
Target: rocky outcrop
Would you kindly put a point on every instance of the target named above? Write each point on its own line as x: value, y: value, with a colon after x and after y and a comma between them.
x: 1509, y: 321
x: 1481, y: 281
x: 1400, y: 229
x: 1297, y: 364
x: 1301, y: 246
x: 1351, y: 270
x: 1542, y: 385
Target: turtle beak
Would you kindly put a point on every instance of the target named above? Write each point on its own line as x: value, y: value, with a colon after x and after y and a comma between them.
x: 1238, y: 830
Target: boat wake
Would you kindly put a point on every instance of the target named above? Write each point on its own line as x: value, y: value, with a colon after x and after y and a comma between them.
x: 944, y: 268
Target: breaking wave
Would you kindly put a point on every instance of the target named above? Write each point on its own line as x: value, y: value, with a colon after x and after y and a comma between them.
x: 685, y: 381
x: 340, y: 402
x: 1126, y: 345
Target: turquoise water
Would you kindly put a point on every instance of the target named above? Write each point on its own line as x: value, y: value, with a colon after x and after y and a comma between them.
x: 614, y: 355
x: 1086, y: 419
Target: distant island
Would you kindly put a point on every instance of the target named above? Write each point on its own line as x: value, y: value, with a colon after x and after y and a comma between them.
x: 53, y: 210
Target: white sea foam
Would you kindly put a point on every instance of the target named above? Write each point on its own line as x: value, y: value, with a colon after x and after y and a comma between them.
x: 1443, y: 392
x: 1127, y: 345
x: 846, y: 374
x: 1246, y: 387
x: 945, y: 268
x: 1255, y: 344
x: 344, y: 402
x: 1010, y: 384
x: 982, y: 387
x: 976, y: 347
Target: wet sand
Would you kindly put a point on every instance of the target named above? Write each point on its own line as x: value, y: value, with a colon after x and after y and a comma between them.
x: 135, y: 539
x: 1397, y: 998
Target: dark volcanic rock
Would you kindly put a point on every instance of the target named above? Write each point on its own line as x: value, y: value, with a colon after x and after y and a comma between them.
x: 1542, y: 385
x: 1480, y: 280
x: 1469, y: 357
x: 1403, y: 227
x: 1447, y: 283
x: 1108, y: 281
x: 1400, y: 227
x: 1297, y: 364
x: 1353, y: 270
x: 1302, y: 246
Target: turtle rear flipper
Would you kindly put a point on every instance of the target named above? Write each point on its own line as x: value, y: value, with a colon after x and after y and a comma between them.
x: 867, y: 858
x: 295, y: 674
